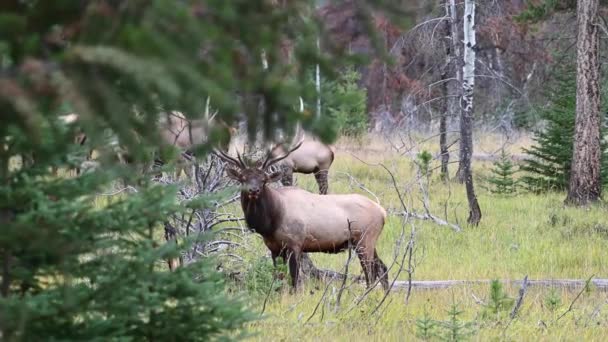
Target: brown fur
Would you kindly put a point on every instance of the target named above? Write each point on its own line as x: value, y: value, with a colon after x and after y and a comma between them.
x: 312, y: 157
x: 293, y: 221
x: 175, y: 129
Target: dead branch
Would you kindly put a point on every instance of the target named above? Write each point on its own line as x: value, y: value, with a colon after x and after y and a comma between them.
x: 322, y: 300
x: 571, y: 306
x: 339, y: 296
x: 410, y: 266
x: 408, y: 248
x: 114, y: 193
x: 520, y: 298
x: 426, y: 216
x: 360, y: 185
x: 274, y: 279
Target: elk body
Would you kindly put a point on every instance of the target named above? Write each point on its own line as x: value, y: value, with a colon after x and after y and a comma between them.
x: 312, y: 157
x: 174, y: 129
x: 293, y: 221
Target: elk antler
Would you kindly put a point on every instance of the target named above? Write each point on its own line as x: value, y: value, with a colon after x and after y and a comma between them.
x: 270, y: 161
x: 231, y: 160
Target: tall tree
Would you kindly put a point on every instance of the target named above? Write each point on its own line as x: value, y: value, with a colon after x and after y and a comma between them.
x: 445, y: 103
x: 466, y: 116
x: 585, y: 177
x: 451, y: 76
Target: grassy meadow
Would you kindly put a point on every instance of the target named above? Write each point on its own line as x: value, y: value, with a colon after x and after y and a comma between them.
x: 522, y: 234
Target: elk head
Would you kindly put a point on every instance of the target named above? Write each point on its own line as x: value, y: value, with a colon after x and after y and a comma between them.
x: 253, y: 179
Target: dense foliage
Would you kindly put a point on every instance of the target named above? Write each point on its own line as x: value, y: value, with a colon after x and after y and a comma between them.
x: 79, y: 266
x: 345, y: 102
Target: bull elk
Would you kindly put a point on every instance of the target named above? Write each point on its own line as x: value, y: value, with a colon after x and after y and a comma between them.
x: 184, y: 134
x: 293, y: 221
x: 312, y: 157
x: 175, y: 129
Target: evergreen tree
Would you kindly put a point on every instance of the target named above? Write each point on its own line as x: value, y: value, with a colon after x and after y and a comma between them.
x: 502, y: 179
x: 346, y: 104
x: 425, y: 327
x: 498, y: 301
x: 454, y: 328
x: 77, y: 267
x: 549, y: 159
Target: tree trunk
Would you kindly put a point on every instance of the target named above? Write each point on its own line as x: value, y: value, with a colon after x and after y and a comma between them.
x: 466, y: 117
x: 455, y: 88
x: 449, y: 107
x: 585, y: 179
x: 318, y: 83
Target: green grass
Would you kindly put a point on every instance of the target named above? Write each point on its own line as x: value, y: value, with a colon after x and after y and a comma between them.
x: 520, y: 235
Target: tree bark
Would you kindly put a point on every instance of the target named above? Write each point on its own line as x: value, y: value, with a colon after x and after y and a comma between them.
x: 318, y: 83
x: 585, y: 178
x: 466, y: 117
x: 449, y: 88
x: 455, y: 88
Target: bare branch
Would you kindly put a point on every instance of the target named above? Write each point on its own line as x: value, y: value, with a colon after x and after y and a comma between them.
x: 339, y: 296
x: 571, y: 306
x: 520, y: 298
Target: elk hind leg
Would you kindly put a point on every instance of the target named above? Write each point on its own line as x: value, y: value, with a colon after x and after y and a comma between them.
x: 381, y: 271
x: 367, y: 264
x: 321, y: 177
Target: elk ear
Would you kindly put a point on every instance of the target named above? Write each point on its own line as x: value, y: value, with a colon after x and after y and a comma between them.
x: 233, y: 174
x: 274, y: 177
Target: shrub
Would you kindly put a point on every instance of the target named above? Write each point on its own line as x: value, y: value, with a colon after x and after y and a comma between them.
x: 262, y: 277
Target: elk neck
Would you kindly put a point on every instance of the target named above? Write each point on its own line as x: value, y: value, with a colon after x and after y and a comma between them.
x: 263, y: 213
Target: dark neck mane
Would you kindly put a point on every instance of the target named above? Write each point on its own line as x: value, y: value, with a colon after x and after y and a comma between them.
x: 262, y: 214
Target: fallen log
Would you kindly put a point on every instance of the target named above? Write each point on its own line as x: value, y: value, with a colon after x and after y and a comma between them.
x: 599, y: 284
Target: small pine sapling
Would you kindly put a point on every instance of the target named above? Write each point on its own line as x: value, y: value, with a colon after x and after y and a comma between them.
x: 499, y: 302
x: 454, y: 328
x: 553, y: 300
x: 502, y: 179
x: 426, y: 326
x: 423, y: 161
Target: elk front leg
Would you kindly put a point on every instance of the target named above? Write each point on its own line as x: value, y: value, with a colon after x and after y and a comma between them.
x: 321, y: 177
x: 274, y: 256
x: 294, y: 267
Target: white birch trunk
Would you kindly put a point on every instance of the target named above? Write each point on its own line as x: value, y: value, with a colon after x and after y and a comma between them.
x: 466, y: 116
x: 264, y: 60
x: 455, y: 38
x: 468, y: 69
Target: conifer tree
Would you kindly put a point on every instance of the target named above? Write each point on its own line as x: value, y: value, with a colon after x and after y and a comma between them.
x: 502, y: 179
x: 549, y: 160
x: 78, y: 266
